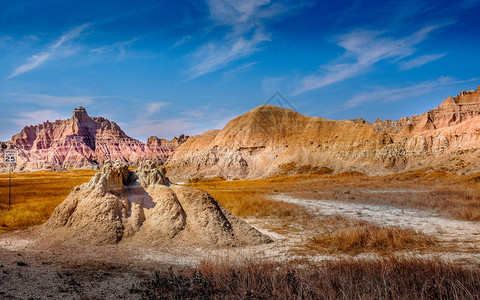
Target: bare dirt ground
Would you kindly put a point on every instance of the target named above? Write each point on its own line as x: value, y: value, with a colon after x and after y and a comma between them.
x: 31, y: 268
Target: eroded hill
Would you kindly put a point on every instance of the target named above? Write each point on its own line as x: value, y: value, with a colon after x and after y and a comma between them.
x: 261, y: 141
x: 84, y: 142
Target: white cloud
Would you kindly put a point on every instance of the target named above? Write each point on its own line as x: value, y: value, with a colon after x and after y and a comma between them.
x: 195, y: 121
x: 223, y: 122
x: 114, y: 49
x: 69, y: 35
x: 36, y: 117
x: 245, y: 15
x: 167, y: 128
x: 52, y: 52
x: 387, y: 95
x: 198, y: 112
x: 32, y: 37
x: 152, y: 108
x: 181, y: 41
x: 363, y: 49
x: 470, y: 3
x: 271, y: 85
x: 420, y: 61
x: 55, y: 101
x: 214, y: 56
x: 241, y: 68
x: 33, y: 62
x: 245, y: 20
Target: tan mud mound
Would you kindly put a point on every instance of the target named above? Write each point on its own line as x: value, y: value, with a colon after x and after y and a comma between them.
x: 119, y: 205
x: 261, y: 142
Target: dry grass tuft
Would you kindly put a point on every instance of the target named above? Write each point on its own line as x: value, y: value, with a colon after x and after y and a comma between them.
x: 370, y: 238
x: 35, y: 196
x: 292, y: 168
x: 247, y: 204
x: 388, y: 278
x: 202, y: 179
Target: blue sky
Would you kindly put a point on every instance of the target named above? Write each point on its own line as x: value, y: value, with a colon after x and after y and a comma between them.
x: 169, y: 67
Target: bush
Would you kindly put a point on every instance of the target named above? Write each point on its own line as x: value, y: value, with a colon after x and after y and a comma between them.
x: 291, y: 168
x: 203, y: 179
x: 288, y: 167
x: 370, y: 238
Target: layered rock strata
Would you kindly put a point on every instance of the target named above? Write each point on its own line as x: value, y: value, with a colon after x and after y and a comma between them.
x: 84, y: 142
x: 259, y: 142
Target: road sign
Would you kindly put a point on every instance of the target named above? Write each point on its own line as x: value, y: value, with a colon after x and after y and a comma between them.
x: 10, y: 156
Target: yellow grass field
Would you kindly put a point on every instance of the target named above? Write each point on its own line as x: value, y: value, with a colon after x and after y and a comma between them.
x: 457, y: 196
x: 35, y: 195
x: 332, y: 234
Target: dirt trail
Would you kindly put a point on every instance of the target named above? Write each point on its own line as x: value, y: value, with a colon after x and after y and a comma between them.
x: 463, y: 235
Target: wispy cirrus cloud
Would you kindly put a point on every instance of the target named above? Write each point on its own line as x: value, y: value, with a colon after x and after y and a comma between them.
x: 246, y: 23
x: 36, y: 117
x: 52, y: 52
x: 240, y: 68
x: 166, y: 128
x: 192, y: 122
x: 420, y: 61
x: 181, y: 41
x: 242, y: 16
x: 390, y: 95
x: 470, y: 3
x: 271, y: 85
x: 118, y: 49
x: 55, y: 101
x: 153, y: 107
x: 217, y: 55
x: 364, y: 49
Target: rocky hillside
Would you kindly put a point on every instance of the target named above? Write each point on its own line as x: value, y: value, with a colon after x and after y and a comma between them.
x: 452, y: 111
x: 266, y: 140
x: 84, y: 142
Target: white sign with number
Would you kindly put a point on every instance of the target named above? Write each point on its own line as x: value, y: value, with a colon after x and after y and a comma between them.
x: 10, y: 156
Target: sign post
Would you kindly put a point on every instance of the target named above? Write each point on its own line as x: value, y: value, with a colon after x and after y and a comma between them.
x: 10, y: 157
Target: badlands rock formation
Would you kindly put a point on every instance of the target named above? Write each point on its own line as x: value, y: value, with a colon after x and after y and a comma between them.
x: 452, y: 111
x: 257, y: 143
x: 144, y: 208
x: 162, y: 147
x: 84, y: 142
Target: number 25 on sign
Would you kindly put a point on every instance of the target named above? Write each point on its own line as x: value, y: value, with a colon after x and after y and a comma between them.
x: 10, y: 157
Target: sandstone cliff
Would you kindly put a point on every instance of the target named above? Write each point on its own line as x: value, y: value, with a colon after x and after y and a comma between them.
x: 84, y: 142
x: 257, y: 143
x: 163, y: 148
x: 452, y: 111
